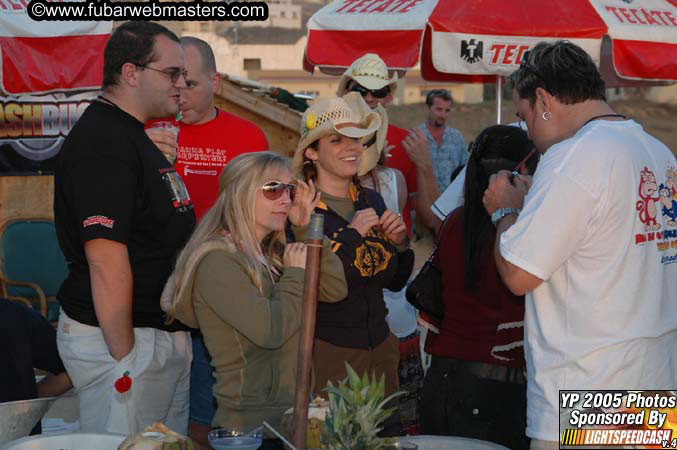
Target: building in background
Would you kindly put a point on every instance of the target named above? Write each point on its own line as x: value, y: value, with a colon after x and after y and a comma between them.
x: 271, y: 52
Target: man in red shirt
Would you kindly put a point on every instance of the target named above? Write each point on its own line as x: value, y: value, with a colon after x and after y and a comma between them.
x: 208, y: 137
x: 408, y: 150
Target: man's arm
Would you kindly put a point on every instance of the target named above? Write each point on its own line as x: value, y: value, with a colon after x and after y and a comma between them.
x: 504, y: 193
x: 111, y: 277
x: 54, y: 385
x: 416, y: 146
x: 516, y: 279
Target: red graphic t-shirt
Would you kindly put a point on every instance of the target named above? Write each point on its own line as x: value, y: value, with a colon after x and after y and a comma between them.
x: 206, y: 148
x: 400, y: 160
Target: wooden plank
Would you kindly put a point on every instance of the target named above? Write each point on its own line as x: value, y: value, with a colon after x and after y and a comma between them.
x: 266, y: 108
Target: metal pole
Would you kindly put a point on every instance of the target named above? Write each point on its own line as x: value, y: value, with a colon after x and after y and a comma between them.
x: 307, y: 334
x: 499, y: 97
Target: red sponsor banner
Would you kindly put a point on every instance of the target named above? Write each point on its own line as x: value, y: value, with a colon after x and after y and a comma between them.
x: 49, y: 56
x: 41, y: 64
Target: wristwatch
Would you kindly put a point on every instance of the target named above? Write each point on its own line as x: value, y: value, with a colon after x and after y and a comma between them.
x: 500, y: 213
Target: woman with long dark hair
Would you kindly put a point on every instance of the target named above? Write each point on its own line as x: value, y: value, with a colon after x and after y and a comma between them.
x: 475, y: 386
x: 370, y: 240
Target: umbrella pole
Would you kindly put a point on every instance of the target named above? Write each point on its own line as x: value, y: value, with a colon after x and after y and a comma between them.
x: 307, y: 334
x: 499, y: 97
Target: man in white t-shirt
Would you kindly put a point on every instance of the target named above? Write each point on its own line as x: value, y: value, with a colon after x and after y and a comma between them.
x: 589, y: 244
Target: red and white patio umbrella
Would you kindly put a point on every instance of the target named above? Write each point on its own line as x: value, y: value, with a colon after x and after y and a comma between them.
x: 478, y: 40
x: 42, y: 57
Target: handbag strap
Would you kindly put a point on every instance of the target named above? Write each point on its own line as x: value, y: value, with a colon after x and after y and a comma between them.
x: 438, y: 238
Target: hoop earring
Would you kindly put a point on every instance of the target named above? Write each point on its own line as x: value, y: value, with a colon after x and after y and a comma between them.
x: 309, y: 162
x: 547, y: 115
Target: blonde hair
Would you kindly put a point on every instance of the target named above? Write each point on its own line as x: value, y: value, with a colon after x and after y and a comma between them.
x: 232, y: 217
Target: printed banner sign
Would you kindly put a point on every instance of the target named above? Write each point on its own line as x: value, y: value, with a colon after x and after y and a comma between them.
x: 32, y: 128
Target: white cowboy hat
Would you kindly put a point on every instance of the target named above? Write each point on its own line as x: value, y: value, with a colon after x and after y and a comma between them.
x: 369, y: 71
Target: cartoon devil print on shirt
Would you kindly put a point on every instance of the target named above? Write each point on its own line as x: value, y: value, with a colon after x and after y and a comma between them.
x: 647, y: 203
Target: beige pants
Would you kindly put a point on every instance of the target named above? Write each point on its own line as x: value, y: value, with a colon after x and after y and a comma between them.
x: 159, y: 366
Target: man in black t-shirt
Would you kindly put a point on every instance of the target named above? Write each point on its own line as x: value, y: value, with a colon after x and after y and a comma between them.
x: 122, y: 214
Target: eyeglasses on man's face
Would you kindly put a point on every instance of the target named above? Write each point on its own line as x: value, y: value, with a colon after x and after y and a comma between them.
x: 174, y: 73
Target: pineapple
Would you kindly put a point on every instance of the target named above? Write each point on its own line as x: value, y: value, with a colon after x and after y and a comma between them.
x: 356, y: 409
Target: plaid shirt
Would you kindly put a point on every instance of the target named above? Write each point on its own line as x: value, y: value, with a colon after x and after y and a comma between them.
x: 447, y: 156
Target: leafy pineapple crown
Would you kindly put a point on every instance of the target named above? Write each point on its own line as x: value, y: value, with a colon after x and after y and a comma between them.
x: 356, y: 409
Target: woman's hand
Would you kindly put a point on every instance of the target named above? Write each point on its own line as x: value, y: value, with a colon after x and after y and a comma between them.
x: 306, y: 199
x: 363, y: 220
x: 295, y: 255
x: 393, y: 227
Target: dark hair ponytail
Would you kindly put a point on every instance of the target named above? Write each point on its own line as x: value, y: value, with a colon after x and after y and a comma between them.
x: 499, y: 147
x: 309, y: 170
x: 360, y: 189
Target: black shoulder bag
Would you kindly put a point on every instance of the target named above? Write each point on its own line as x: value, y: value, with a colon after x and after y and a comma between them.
x: 425, y: 290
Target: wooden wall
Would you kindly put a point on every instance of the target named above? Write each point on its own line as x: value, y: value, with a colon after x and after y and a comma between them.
x: 279, y: 123
x: 26, y: 197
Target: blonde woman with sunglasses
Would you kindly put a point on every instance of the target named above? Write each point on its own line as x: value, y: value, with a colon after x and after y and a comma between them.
x: 241, y: 283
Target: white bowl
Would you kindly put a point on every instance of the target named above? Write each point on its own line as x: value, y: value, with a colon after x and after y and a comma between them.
x: 224, y: 439
x: 73, y: 441
x: 427, y: 442
x: 17, y: 419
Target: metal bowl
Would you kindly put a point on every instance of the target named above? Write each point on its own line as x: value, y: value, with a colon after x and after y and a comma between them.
x: 17, y: 419
x: 73, y: 441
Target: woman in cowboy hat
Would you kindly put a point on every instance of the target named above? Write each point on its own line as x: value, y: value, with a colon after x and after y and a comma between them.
x: 370, y: 240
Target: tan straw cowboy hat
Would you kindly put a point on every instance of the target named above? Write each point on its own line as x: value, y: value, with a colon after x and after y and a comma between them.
x: 348, y: 115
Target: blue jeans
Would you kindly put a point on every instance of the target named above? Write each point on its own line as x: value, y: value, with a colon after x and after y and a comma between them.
x: 202, y: 401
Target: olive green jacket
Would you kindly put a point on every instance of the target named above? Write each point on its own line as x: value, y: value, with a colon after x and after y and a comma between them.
x: 252, y: 336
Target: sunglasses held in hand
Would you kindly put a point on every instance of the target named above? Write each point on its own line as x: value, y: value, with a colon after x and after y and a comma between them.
x: 522, y: 165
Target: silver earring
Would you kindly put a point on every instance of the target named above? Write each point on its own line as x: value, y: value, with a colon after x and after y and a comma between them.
x: 547, y: 115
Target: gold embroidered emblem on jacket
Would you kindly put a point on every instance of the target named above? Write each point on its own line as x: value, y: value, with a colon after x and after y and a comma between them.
x: 371, y: 258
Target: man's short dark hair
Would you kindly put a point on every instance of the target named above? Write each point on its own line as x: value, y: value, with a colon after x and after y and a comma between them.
x: 131, y: 42
x: 563, y: 69
x: 205, y: 51
x: 437, y: 93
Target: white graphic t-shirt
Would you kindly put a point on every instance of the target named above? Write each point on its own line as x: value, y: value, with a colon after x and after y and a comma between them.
x: 598, y: 225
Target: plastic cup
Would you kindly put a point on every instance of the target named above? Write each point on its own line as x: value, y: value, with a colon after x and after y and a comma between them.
x: 171, y: 127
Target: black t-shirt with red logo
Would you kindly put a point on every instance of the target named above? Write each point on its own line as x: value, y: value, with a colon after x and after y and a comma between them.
x: 113, y: 183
